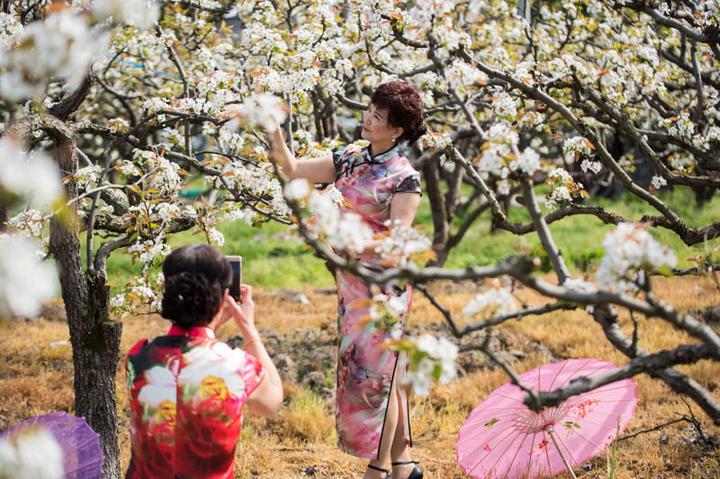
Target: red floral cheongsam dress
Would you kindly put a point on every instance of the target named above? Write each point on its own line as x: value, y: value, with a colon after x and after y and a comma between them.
x: 366, y: 371
x: 187, y: 392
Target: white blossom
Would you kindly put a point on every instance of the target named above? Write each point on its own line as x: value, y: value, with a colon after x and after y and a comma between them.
x: 501, y: 144
x: 578, y: 145
x: 351, y: 234
x: 119, y: 125
x: 34, y: 177
x: 658, y: 182
x: 26, y: 280
x: 142, y: 14
x: 505, y: 106
x: 10, y: 30
x: 495, y: 301
x: 88, y: 176
x: 245, y: 215
x: 297, y: 189
x: 591, y: 166
x: 31, y: 453
x: 403, y: 245
x: 335, y: 194
x: 345, y: 231
x: 29, y: 222
x: 386, y: 311
x: 527, y: 162
x: 629, y: 249
x: 164, y: 175
x: 564, y: 189
x: 262, y: 110
x: 326, y: 214
x: 461, y: 75
x: 679, y: 126
x: 144, y: 293
x: 146, y: 251
x: 437, y: 361
x: 61, y: 46
x: 215, y: 237
x: 435, y: 141
x: 117, y: 301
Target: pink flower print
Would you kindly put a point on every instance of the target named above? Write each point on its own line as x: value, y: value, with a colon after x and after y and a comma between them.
x: 584, y: 408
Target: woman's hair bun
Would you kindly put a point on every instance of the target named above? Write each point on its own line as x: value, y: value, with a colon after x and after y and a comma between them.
x: 196, y: 277
x: 190, y: 299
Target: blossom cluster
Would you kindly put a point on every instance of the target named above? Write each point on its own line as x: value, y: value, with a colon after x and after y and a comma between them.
x: 500, y: 156
x: 31, y: 453
x: 494, y: 301
x: 33, y: 177
x: 266, y: 111
x: 630, y: 249
x: 430, y: 359
x: 435, y: 141
x: 386, y: 312
x: 142, y: 14
x: 565, y: 189
x: 344, y: 231
x: 62, y: 46
x: 26, y: 279
x: 32, y: 182
x: 404, y: 245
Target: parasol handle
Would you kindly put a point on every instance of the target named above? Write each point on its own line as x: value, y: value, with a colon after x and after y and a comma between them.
x: 551, y: 433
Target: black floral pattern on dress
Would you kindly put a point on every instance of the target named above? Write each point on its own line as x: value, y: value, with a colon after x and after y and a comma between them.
x: 411, y: 184
x: 347, y: 161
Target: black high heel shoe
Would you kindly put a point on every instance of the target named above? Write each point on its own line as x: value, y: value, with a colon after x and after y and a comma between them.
x: 375, y: 468
x: 416, y: 472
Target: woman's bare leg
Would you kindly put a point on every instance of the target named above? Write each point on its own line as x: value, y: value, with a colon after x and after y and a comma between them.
x: 389, y: 432
x: 400, y: 452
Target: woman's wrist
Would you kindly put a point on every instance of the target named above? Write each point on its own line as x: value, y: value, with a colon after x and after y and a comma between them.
x: 249, y: 332
x: 247, y: 341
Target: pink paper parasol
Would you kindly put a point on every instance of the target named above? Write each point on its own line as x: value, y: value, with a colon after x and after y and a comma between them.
x: 80, y: 444
x: 503, y: 438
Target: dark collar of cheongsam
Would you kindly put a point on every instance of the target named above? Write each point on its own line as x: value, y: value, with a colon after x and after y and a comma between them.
x: 382, y: 157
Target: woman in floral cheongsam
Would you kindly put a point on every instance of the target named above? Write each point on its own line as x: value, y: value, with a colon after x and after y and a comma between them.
x: 188, y: 389
x: 379, y: 184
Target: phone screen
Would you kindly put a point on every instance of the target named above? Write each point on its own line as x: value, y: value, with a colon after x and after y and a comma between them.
x: 236, y: 266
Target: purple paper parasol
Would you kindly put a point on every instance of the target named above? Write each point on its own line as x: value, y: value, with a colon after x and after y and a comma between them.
x: 80, y: 444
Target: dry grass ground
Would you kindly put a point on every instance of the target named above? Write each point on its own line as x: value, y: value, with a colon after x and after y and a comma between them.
x: 36, y: 377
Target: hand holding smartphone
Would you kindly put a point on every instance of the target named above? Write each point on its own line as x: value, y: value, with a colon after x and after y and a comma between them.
x: 236, y: 266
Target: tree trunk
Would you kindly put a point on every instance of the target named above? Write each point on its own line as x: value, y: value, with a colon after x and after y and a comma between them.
x: 95, y: 340
x: 441, y: 227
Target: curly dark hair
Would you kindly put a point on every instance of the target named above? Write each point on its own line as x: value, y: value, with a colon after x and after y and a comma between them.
x: 196, y: 277
x: 404, y: 105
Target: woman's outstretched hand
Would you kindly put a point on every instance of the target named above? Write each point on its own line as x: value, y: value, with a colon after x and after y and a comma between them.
x: 277, y: 144
x: 243, y: 313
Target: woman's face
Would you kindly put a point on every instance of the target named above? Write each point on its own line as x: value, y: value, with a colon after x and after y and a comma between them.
x: 376, y: 128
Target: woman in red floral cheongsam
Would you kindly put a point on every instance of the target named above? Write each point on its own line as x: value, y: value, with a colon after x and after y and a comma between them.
x: 188, y: 389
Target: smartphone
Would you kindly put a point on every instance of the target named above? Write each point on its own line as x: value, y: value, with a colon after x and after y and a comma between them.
x: 236, y: 266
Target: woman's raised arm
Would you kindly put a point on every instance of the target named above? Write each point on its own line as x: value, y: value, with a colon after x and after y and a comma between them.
x: 316, y: 170
x: 267, y: 398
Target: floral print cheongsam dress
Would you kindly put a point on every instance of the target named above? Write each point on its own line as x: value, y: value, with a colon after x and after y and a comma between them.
x: 366, y: 371
x: 187, y: 392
